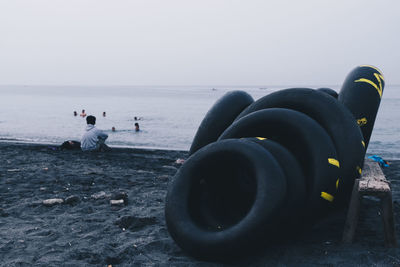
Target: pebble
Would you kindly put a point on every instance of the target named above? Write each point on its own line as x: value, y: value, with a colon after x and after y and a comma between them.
x: 116, y: 201
x: 99, y: 195
x: 180, y: 161
x: 52, y: 201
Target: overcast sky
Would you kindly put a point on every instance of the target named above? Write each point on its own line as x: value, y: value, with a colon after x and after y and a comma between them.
x: 202, y: 42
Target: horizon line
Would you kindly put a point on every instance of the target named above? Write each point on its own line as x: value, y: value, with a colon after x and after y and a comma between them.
x: 174, y: 85
x: 183, y: 85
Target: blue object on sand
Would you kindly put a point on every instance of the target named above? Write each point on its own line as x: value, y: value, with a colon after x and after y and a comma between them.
x: 382, y: 162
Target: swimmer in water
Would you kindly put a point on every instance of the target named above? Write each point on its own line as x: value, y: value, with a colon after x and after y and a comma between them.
x: 83, y: 114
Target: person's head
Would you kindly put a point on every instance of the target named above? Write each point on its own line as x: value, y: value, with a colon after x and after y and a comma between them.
x: 91, y: 120
x: 83, y: 111
x: 135, y: 119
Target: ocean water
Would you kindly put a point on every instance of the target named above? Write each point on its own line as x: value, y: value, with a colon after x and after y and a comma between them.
x: 169, y: 116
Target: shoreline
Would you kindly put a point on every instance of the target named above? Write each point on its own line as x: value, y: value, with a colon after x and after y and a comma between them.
x: 117, y: 147
x: 89, y: 230
x: 13, y: 141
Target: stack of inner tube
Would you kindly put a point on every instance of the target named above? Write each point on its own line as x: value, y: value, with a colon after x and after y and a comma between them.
x: 263, y: 169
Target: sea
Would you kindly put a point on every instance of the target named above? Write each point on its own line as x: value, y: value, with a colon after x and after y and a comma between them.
x: 168, y: 115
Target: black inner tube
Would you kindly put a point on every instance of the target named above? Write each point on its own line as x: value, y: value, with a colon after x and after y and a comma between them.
x: 224, y: 194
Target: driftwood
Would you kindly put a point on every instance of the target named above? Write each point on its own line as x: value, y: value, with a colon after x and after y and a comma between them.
x: 371, y: 183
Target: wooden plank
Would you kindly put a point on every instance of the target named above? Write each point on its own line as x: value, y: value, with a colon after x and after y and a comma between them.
x: 388, y: 220
x: 372, y: 171
x: 372, y: 178
x: 372, y: 183
x: 373, y: 186
x: 352, y: 215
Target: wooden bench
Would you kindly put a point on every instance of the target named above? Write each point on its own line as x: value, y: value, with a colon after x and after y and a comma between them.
x: 371, y: 183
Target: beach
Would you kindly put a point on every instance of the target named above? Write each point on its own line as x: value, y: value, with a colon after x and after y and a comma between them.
x: 159, y: 81
x: 86, y: 229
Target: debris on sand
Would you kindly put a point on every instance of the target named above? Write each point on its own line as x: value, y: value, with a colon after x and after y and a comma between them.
x: 120, y: 195
x: 180, y: 161
x: 116, y: 201
x: 100, y: 195
x: 52, y: 201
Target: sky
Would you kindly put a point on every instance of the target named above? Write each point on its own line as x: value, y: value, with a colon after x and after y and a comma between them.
x: 187, y: 42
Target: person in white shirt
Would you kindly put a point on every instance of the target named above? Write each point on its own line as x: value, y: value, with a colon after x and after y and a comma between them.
x: 93, y: 139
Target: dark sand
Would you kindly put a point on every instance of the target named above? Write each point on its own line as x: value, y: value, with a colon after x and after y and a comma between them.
x: 90, y: 231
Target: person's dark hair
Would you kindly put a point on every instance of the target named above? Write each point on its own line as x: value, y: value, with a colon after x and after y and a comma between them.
x: 91, y: 120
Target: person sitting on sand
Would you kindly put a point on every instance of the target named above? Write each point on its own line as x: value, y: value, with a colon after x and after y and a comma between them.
x: 83, y: 114
x: 93, y: 139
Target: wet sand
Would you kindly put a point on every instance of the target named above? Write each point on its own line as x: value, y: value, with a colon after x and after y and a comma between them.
x: 88, y: 230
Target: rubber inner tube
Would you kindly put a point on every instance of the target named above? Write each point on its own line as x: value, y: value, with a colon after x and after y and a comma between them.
x: 306, y: 139
x: 224, y: 198
x: 219, y: 117
x: 295, y: 181
x: 329, y: 91
x: 334, y: 118
x: 361, y: 93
